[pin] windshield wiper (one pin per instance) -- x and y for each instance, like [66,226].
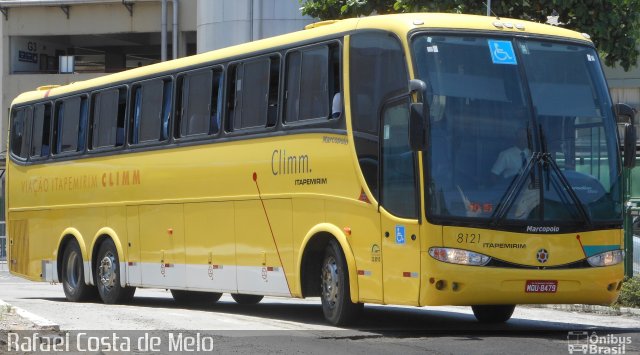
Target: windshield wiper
[510,195]
[548,160]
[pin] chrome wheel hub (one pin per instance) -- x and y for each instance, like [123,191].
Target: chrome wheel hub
[330,287]
[107,271]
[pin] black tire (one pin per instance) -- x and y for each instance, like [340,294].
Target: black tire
[107,276]
[246,299]
[195,297]
[335,294]
[72,276]
[493,313]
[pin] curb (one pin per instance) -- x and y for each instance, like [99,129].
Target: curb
[585,308]
[33,318]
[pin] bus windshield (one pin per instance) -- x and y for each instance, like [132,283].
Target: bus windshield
[521,131]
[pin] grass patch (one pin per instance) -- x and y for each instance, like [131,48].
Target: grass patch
[630,293]
[4,310]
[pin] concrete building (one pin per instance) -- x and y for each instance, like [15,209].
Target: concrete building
[624,86]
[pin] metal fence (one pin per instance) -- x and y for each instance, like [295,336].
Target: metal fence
[636,255]
[3,242]
[3,248]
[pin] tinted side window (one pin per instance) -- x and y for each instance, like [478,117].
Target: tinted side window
[378,72]
[69,125]
[313,80]
[20,132]
[252,98]
[198,103]
[398,192]
[41,130]
[151,110]
[108,118]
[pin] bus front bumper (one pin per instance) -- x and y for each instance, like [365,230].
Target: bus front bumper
[462,285]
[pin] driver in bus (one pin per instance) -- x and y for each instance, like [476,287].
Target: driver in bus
[509,164]
[513,159]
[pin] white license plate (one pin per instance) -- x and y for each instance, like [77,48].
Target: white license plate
[541,286]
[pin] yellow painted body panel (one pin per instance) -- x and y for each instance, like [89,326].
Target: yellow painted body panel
[182,217]
[162,242]
[210,233]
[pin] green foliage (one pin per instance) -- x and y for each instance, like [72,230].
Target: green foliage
[614,25]
[630,293]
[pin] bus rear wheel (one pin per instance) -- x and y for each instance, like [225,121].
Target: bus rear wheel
[108,276]
[75,290]
[246,299]
[335,294]
[493,313]
[193,298]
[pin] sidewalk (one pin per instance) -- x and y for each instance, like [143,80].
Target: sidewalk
[586,308]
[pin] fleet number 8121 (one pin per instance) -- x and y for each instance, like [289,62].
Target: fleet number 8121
[470,238]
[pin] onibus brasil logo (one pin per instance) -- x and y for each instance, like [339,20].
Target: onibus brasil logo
[581,342]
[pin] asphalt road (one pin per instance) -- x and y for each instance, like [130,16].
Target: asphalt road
[279,325]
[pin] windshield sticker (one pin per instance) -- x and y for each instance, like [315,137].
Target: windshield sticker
[400,234]
[432,49]
[502,52]
[591,58]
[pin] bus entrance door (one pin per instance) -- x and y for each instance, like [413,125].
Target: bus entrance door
[400,259]
[398,197]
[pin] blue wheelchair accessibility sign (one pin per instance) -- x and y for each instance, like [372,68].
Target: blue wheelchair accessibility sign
[502,52]
[399,234]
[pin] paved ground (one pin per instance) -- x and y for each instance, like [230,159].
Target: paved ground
[297,326]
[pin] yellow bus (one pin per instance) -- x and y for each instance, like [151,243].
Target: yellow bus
[415,159]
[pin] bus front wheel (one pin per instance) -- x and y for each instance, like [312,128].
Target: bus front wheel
[246,299]
[493,313]
[108,276]
[73,284]
[335,295]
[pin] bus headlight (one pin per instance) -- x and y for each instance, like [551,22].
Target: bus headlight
[608,258]
[459,256]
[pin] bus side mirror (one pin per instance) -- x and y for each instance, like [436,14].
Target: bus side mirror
[419,116]
[625,117]
[623,110]
[629,146]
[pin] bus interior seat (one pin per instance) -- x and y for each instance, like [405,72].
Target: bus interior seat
[119,136]
[197,124]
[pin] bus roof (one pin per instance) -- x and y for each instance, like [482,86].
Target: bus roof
[398,23]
